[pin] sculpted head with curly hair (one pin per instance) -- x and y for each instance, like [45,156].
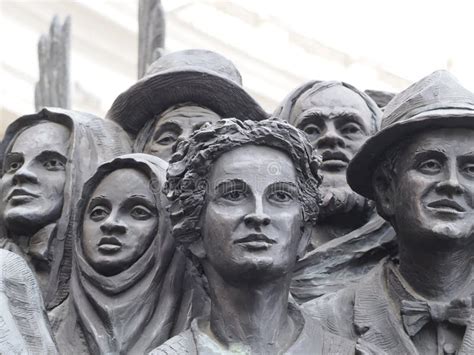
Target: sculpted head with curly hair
[243,192]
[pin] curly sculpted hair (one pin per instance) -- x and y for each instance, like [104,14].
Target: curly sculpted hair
[187,174]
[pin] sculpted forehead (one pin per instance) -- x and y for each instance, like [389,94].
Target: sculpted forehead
[335,98]
[189,115]
[124,182]
[41,137]
[459,141]
[254,163]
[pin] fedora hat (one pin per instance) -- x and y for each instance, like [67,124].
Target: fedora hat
[436,101]
[195,75]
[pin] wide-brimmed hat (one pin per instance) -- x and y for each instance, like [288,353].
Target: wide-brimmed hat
[436,101]
[199,76]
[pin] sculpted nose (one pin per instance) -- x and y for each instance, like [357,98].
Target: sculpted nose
[330,140]
[450,185]
[113,226]
[24,174]
[257,217]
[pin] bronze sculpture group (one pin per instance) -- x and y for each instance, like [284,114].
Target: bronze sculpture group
[190,221]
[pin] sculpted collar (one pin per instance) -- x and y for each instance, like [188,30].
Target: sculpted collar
[416,312]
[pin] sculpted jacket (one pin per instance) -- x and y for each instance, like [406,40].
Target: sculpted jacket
[375,311]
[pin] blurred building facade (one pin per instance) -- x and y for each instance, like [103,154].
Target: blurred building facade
[277,45]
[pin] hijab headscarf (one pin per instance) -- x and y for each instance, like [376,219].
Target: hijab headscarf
[92,141]
[133,311]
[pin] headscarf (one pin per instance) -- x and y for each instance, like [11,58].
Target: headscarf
[92,141]
[135,310]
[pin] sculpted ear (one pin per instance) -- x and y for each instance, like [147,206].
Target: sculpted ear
[384,191]
[197,249]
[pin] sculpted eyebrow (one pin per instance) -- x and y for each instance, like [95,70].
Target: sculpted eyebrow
[433,150]
[13,156]
[97,200]
[167,126]
[51,153]
[229,183]
[311,117]
[286,185]
[422,154]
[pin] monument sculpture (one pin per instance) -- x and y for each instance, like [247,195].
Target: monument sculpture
[350,238]
[24,326]
[419,170]
[151,33]
[243,195]
[53,88]
[180,92]
[46,157]
[315,231]
[127,279]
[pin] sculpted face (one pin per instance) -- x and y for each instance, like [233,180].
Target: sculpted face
[435,186]
[119,222]
[337,122]
[33,178]
[174,124]
[252,224]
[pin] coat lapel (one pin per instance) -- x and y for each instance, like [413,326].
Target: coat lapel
[376,320]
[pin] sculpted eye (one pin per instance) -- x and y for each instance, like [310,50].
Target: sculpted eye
[166,138]
[13,166]
[431,166]
[53,164]
[351,129]
[281,196]
[469,169]
[312,130]
[99,213]
[234,195]
[140,213]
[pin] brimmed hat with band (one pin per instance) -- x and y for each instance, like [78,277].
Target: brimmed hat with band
[195,75]
[436,101]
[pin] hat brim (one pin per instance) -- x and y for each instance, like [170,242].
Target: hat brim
[362,166]
[155,94]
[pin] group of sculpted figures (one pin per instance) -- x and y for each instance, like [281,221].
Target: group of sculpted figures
[190,221]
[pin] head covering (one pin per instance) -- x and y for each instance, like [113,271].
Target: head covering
[133,311]
[436,101]
[195,75]
[93,140]
[284,110]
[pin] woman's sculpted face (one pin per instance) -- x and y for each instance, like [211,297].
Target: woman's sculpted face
[34,174]
[120,221]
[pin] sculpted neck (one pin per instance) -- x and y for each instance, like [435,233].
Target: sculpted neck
[437,272]
[254,314]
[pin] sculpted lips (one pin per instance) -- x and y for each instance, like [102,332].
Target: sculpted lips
[109,245]
[447,206]
[255,241]
[334,160]
[19,195]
